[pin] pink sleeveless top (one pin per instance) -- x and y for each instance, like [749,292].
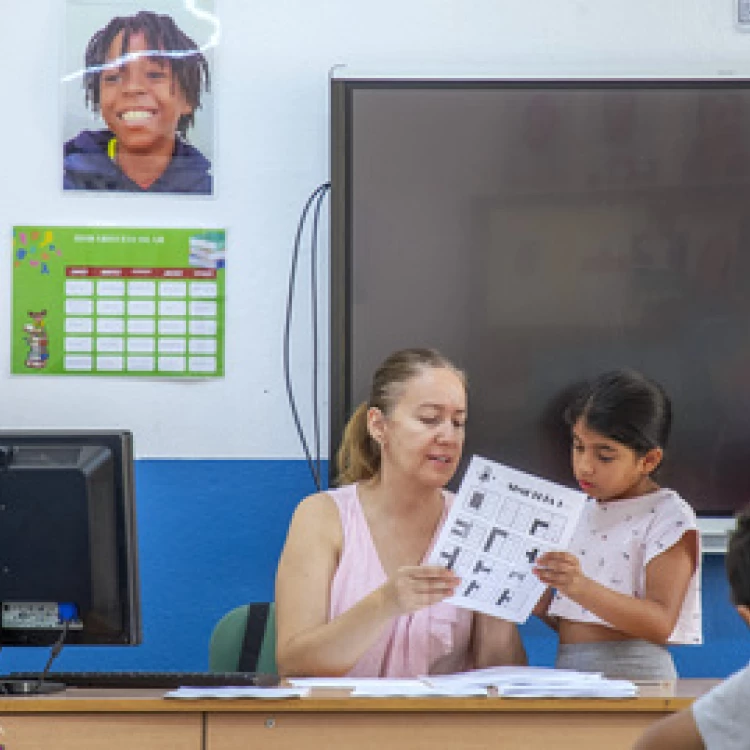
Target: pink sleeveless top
[433,640]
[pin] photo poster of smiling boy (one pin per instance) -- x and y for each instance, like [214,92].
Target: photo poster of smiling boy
[137,96]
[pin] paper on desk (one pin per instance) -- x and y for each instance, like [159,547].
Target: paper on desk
[500,522]
[415,689]
[237,692]
[602,688]
[497,676]
[380,687]
[537,682]
[345,683]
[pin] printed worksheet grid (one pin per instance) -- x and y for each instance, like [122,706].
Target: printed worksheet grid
[486,571]
[141,320]
[526,518]
[487,535]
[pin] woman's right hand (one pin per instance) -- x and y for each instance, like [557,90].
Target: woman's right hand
[416,586]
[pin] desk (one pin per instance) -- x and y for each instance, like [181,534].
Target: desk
[122,720]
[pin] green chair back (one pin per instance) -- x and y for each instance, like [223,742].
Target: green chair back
[244,640]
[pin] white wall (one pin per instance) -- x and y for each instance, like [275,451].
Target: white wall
[271,97]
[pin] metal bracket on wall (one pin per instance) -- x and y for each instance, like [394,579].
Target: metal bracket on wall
[715,534]
[742,15]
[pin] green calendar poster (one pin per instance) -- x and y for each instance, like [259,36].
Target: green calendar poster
[110,301]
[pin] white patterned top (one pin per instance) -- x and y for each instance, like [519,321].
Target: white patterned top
[614,542]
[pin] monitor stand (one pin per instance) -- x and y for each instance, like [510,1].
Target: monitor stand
[40,686]
[29,687]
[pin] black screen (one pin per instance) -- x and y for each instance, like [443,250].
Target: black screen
[539,233]
[67,537]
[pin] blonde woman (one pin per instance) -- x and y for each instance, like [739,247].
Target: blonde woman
[353,596]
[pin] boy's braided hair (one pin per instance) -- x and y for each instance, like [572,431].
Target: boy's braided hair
[161,32]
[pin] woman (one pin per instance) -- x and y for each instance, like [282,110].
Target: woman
[352,594]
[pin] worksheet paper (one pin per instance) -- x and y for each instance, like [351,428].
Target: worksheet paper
[379,687]
[536,682]
[500,522]
[244,691]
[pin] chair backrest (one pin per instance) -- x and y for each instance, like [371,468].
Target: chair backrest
[244,640]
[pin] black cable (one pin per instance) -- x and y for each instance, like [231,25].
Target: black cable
[318,194]
[55,651]
[314,299]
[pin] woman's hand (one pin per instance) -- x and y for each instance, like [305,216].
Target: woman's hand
[416,586]
[308,642]
[562,571]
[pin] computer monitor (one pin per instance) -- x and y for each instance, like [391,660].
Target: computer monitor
[68,537]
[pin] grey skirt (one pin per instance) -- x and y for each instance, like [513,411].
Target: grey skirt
[640,661]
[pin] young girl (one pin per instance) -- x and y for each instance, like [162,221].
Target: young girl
[629,584]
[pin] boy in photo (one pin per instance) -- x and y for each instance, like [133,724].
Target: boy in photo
[145,77]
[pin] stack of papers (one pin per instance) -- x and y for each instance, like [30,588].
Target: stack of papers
[537,682]
[236,692]
[379,687]
[601,688]
[507,682]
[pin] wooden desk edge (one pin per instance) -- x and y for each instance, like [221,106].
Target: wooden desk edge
[152,701]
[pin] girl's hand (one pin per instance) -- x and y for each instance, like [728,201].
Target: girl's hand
[560,570]
[417,586]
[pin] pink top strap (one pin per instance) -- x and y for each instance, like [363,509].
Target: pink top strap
[433,639]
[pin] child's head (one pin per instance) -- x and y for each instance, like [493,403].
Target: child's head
[738,565]
[145,76]
[620,425]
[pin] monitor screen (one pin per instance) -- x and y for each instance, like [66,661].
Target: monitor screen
[68,538]
[540,233]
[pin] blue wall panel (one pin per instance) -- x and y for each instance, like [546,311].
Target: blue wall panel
[210,533]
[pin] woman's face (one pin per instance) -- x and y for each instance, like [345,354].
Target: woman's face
[423,435]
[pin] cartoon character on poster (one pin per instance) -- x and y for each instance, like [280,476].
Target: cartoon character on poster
[37,340]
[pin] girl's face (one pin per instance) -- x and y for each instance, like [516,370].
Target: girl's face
[423,436]
[608,470]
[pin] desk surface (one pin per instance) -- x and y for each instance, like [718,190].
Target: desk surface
[78,700]
[81,719]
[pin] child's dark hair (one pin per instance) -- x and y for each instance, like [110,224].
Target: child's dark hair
[737,562]
[626,407]
[161,33]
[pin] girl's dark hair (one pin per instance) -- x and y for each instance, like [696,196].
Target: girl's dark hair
[737,561]
[626,407]
[161,33]
[358,456]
